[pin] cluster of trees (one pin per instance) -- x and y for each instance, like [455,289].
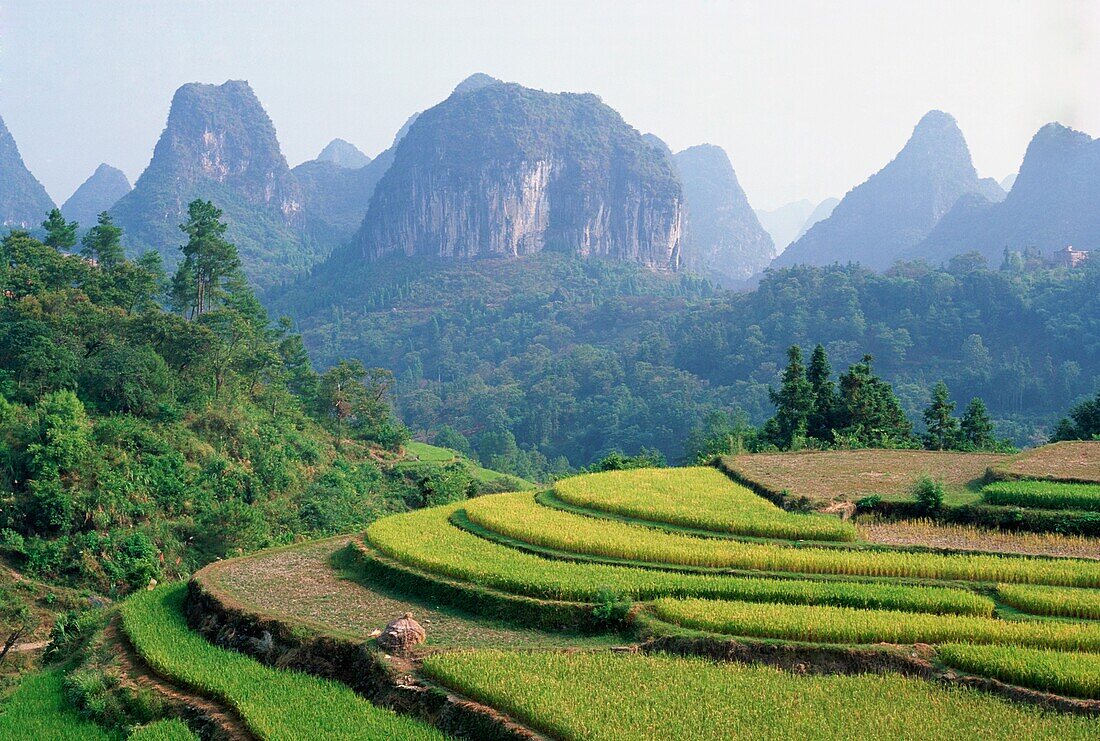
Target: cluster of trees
[861,410]
[137,440]
[549,362]
[1083,422]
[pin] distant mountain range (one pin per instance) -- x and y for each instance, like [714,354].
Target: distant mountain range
[95,195]
[344,154]
[1054,202]
[24,203]
[787,223]
[895,209]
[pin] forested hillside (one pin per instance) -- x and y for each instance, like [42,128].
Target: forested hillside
[550,359]
[138,442]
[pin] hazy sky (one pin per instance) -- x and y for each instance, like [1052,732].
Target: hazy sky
[807,97]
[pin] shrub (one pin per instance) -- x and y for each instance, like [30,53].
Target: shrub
[929,494]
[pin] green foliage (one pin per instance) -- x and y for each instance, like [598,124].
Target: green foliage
[38,710]
[137,443]
[928,494]
[1043,494]
[794,403]
[209,261]
[60,234]
[1083,422]
[617,461]
[274,704]
[943,431]
[720,433]
[658,696]
[1062,672]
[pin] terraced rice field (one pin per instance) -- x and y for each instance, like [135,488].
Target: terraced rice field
[696,497]
[1043,495]
[1065,672]
[607,697]
[275,705]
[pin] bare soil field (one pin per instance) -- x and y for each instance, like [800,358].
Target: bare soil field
[848,475]
[1066,461]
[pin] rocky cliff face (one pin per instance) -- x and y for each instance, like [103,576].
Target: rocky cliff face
[343,154]
[24,203]
[95,195]
[1054,202]
[499,170]
[723,238]
[879,221]
[220,145]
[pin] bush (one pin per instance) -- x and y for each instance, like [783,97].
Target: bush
[929,494]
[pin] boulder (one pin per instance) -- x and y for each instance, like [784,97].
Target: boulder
[402,634]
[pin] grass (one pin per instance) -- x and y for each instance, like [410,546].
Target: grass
[163,730]
[274,704]
[1066,673]
[426,540]
[1055,601]
[1043,495]
[827,624]
[1070,461]
[425,453]
[971,538]
[37,709]
[849,475]
[700,497]
[566,531]
[614,697]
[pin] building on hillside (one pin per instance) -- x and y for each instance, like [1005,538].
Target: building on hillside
[1068,257]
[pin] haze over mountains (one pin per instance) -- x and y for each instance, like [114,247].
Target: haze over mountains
[501,170]
[880,220]
[23,200]
[98,193]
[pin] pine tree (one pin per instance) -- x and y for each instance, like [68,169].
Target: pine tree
[869,411]
[976,427]
[823,412]
[103,243]
[943,429]
[793,402]
[210,262]
[60,234]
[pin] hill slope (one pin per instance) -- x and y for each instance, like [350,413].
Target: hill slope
[24,203]
[878,221]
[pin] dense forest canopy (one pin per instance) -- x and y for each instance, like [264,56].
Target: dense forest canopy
[552,360]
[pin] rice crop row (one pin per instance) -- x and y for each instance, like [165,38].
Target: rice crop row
[1062,672]
[163,730]
[699,497]
[826,624]
[524,519]
[616,697]
[1055,601]
[426,539]
[37,709]
[1043,495]
[275,704]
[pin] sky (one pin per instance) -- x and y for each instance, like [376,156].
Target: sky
[807,97]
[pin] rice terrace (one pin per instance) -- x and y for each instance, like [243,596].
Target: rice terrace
[663,370]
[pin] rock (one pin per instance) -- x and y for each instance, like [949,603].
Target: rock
[402,634]
[152,584]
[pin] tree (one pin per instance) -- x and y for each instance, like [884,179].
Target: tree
[823,412]
[103,243]
[943,429]
[793,402]
[209,260]
[976,427]
[1083,422]
[355,400]
[60,234]
[870,413]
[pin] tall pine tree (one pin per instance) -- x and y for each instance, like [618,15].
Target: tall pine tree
[823,411]
[942,428]
[793,403]
[976,427]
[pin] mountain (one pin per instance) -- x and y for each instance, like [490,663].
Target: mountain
[343,154]
[1054,202]
[723,238]
[335,198]
[95,195]
[1008,182]
[220,145]
[821,212]
[784,224]
[880,220]
[498,169]
[24,203]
